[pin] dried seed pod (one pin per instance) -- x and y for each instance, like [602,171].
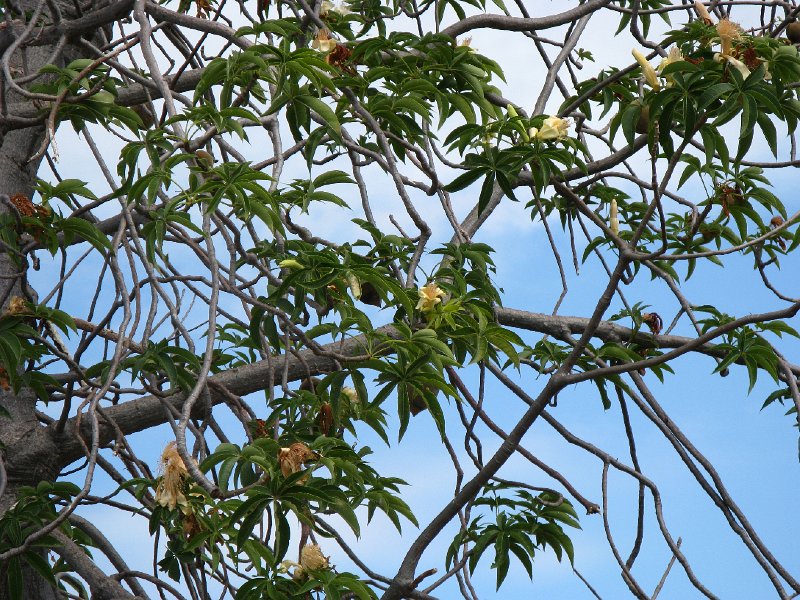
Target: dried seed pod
[643,123]
[369,295]
[793,32]
[417,402]
[309,384]
[205,159]
[145,114]
[325,419]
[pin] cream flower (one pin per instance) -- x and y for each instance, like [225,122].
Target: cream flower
[673,57]
[727,31]
[735,63]
[340,9]
[311,558]
[702,12]
[613,217]
[553,128]
[429,296]
[169,489]
[351,395]
[650,75]
[323,42]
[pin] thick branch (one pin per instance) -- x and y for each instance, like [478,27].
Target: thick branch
[144,413]
[507,23]
[559,326]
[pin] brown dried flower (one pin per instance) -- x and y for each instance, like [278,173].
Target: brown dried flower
[27,208]
[169,489]
[653,321]
[291,459]
[340,57]
[17,306]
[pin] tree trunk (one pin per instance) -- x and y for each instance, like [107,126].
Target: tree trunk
[28,452]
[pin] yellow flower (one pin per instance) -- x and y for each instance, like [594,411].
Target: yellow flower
[727,31]
[169,490]
[553,128]
[650,75]
[429,296]
[290,263]
[323,42]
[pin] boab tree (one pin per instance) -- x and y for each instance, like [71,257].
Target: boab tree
[265,239]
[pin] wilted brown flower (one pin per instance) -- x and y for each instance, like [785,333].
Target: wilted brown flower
[259,428]
[339,57]
[27,208]
[5,382]
[291,459]
[169,489]
[191,525]
[203,9]
[17,306]
[774,223]
[653,321]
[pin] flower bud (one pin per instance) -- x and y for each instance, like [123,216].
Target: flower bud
[649,73]
[290,263]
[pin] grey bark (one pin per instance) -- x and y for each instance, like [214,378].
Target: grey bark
[28,450]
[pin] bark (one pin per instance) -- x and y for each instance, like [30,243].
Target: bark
[29,452]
